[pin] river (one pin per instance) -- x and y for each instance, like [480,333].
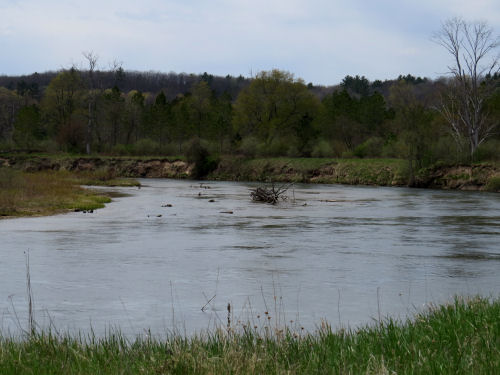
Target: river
[171,256]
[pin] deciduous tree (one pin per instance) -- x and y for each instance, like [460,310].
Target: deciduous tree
[472,46]
[9,105]
[273,105]
[62,107]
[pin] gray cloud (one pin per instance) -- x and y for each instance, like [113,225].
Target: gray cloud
[318,40]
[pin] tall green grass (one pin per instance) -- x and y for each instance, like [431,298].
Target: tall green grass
[458,338]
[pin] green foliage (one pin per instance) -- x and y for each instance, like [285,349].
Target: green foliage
[274,114]
[277,147]
[249,146]
[62,103]
[357,85]
[274,105]
[28,129]
[372,147]
[181,122]
[204,163]
[412,127]
[221,120]
[10,102]
[352,120]
[489,150]
[110,130]
[146,146]
[200,107]
[411,79]
[122,150]
[493,184]
[6,145]
[322,149]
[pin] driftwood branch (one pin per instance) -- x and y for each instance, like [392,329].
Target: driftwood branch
[271,194]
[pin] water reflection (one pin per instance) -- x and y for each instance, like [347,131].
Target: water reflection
[339,256]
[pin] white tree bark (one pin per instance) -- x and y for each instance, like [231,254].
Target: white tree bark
[473,47]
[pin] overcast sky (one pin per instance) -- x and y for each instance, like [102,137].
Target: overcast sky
[320,41]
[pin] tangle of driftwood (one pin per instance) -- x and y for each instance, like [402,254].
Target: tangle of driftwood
[271,194]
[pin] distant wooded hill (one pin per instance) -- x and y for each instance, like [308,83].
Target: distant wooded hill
[173,84]
[271,114]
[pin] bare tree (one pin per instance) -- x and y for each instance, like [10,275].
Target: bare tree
[473,47]
[91,58]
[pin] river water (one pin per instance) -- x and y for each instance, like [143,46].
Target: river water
[345,254]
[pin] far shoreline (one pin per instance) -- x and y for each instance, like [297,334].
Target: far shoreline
[484,176]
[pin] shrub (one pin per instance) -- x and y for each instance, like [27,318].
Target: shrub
[6,145]
[488,151]
[204,163]
[121,150]
[248,147]
[48,145]
[322,149]
[493,184]
[146,146]
[170,149]
[278,147]
[372,147]
[293,152]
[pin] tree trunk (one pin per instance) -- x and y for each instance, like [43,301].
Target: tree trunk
[89,129]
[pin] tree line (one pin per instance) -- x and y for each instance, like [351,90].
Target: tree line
[119,112]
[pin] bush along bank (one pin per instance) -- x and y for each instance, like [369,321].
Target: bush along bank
[381,172]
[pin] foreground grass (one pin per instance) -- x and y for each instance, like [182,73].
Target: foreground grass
[46,193]
[459,338]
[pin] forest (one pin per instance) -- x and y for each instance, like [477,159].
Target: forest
[90,110]
[118,112]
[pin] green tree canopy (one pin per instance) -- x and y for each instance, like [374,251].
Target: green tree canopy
[28,127]
[356,85]
[9,104]
[63,110]
[274,104]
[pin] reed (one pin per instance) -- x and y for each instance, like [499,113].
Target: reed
[457,338]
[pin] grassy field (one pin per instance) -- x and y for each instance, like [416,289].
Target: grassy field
[46,193]
[458,338]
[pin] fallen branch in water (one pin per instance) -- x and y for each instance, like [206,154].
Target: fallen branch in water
[271,194]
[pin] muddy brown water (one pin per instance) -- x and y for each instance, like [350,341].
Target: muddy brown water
[152,260]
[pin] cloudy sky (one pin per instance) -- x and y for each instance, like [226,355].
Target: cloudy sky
[320,41]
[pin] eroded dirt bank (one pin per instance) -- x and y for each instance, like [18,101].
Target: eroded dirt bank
[120,167]
[485,176]
[390,172]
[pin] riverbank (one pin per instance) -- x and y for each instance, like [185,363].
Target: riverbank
[457,338]
[50,192]
[381,172]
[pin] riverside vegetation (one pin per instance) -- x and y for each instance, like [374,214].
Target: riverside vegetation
[461,337]
[405,131]
[49,192]
[451,120]
[421,132]
[203,165]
